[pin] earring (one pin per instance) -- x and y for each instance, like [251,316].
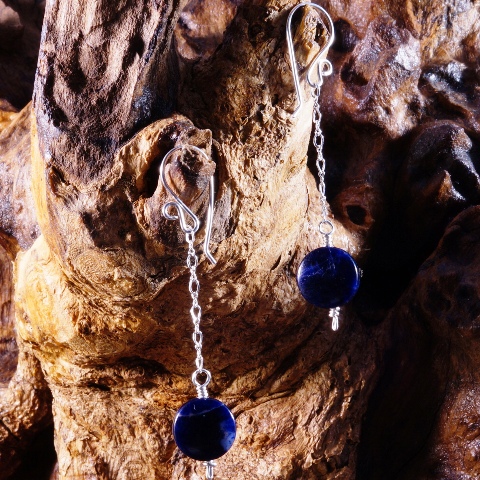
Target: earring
[328,277]
[204,428]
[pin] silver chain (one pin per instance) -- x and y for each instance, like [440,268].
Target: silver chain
[196,314]
[318,141]
[326,226]
[197,336]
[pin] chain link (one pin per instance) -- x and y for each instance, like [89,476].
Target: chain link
[318,141]
[196,314]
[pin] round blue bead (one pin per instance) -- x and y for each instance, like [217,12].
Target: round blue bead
[204,429]
[328,277]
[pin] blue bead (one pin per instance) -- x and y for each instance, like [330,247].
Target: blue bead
[328,277]
[204,429]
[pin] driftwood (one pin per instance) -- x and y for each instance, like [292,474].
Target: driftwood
[95,325]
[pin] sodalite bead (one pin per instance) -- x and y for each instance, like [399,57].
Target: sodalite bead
[328,277]
[204,429]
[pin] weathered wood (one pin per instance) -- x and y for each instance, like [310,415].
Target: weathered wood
[101,299]
[20,26]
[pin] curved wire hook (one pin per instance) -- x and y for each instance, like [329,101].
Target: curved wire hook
[182,210]
[324,67]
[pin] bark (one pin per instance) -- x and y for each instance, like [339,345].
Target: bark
[98,293]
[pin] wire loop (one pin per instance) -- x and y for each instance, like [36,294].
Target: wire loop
[326,227]
[201,386]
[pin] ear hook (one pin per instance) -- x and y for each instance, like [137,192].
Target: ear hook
[183,210]
[324,67]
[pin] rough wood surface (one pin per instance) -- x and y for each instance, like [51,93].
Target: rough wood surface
[98,287]
[20,26]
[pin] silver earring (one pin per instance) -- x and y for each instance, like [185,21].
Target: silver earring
[204,428]
[328,277]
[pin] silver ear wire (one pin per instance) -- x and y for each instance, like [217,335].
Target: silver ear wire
[320,270]
[324,67]
[182,210]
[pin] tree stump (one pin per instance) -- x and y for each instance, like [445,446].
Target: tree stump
[95,325]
